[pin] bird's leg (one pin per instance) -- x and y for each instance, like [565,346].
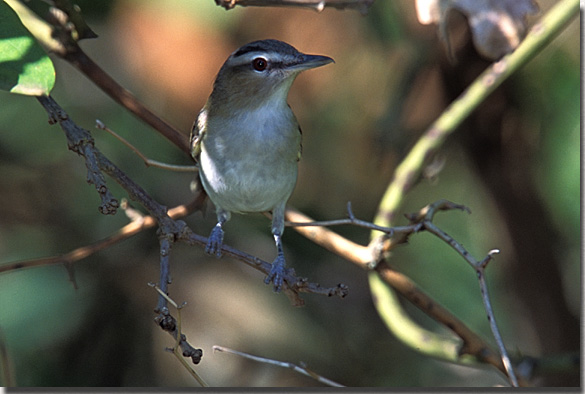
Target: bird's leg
[215,240]
[277,271]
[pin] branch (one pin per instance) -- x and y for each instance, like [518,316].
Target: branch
[492,318]
[300,369]
[293,284]
[7,375]
[479,267]
[318,5]
[363,256]
[82,143]
[58,38]
[136,226]
[409,170]
[174,328]
[350,220]
[170,230]
[335,243]
[148,162]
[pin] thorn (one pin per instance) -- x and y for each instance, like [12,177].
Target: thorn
[349,211]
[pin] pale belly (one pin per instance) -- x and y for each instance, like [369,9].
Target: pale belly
[255,155]
[257,186]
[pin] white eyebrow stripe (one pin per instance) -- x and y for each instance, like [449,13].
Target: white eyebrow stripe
[247,58]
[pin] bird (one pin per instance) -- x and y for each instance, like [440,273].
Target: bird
[246,140]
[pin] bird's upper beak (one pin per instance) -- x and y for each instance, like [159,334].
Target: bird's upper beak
[306,62]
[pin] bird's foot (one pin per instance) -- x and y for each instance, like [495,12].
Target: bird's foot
[215,241]
[277,273]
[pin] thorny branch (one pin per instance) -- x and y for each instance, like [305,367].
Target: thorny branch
[180,341]
[351,219]
[169,230]
[96,162]
[479,267]
[364,255]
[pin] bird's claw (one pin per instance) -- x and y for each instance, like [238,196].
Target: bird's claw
[277,273]
[214,242]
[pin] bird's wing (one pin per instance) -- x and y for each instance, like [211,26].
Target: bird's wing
[300,145]
[197,133]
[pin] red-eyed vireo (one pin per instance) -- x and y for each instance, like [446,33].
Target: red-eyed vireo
[247,141]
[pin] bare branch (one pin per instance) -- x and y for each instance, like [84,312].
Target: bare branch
[58,39]
[165,269]
[7,375]
[492,320]
[77,57]
[82,143]
[363,255]
[300,369]
[148,162]
[479,267]
[350,220]
[293,284]
[351,251]
[180,339]
[131,229]
[318,5]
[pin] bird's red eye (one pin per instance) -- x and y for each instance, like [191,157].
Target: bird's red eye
[259,64]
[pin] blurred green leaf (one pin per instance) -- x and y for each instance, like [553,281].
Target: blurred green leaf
[25,68]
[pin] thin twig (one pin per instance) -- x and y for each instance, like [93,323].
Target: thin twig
[350,220]
[300,369]
[7,376]
[148,162]
[492,319]
[479,267]
[362,257]
[165,270]
[318,5]
[129,230]
[180,339]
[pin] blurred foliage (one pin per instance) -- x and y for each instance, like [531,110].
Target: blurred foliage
[390,81]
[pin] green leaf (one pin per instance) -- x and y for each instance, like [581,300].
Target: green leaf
[25,68]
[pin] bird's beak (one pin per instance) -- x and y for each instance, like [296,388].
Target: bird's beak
[306,62]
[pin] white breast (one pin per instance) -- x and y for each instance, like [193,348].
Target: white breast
[248,161]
